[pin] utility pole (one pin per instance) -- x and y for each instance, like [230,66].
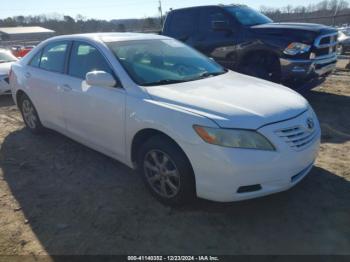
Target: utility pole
[336,12]
[161,13]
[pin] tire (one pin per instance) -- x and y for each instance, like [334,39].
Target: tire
[262,66]
[30,115]
[169,179]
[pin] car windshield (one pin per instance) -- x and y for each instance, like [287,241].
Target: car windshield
[163,61]
[6,57]
[248,16]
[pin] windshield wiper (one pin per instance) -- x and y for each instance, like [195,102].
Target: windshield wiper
[164,82]
[209,74]
[175,81]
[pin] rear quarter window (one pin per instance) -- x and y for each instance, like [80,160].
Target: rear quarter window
[35,61]
[209,16]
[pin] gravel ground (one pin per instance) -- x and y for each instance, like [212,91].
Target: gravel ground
[59,197]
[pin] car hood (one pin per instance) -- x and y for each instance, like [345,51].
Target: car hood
[317,28]
[233,100]
[303,32]
[5,68]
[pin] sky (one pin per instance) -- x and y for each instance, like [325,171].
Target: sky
[120,9]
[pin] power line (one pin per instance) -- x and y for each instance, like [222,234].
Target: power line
[161,13]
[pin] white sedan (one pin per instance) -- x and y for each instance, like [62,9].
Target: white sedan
[6,60]
[191,127]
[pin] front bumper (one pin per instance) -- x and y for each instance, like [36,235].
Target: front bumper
[221,172]
[303,70]
[4,85]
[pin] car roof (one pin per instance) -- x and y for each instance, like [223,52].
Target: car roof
[110,37]
[206,6]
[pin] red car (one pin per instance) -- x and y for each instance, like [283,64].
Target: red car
[21,51]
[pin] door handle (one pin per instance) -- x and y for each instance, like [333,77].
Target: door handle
[66,88]
[27,75]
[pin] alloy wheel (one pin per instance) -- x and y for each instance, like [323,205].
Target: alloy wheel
[29,113]
[161,173]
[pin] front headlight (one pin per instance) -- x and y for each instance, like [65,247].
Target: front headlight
[296,48]
[238,138]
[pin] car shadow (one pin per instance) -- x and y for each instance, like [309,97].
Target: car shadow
[6,100]
[78,201]
[335,127]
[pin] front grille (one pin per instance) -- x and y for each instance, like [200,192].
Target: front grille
[297,137]
[329,39]
[325,44]
[325,40]
[325,51]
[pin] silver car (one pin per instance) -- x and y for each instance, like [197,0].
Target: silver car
[6,60]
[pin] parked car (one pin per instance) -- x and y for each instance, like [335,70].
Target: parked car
[6,60]
[15,49]
[345,30]
[20,51]
[190,126]
[344,43]
[247,41]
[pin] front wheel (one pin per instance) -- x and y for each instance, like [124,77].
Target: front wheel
[166,171]
[262,66]
[30,115]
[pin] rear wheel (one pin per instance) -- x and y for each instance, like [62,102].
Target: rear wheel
[30,115]
[166,171]
[262,66]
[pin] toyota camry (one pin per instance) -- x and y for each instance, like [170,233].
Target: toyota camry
[191,127]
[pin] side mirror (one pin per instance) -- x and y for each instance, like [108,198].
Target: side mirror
[100,78]
[220,26]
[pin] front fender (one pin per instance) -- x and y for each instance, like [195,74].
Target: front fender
[257,46]
[177,123]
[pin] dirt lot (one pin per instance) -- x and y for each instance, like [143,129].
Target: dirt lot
[58,197]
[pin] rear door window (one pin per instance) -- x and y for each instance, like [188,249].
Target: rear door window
[211,15]
[54,56]
[183,23]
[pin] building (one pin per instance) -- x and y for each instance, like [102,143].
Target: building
[26,34]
